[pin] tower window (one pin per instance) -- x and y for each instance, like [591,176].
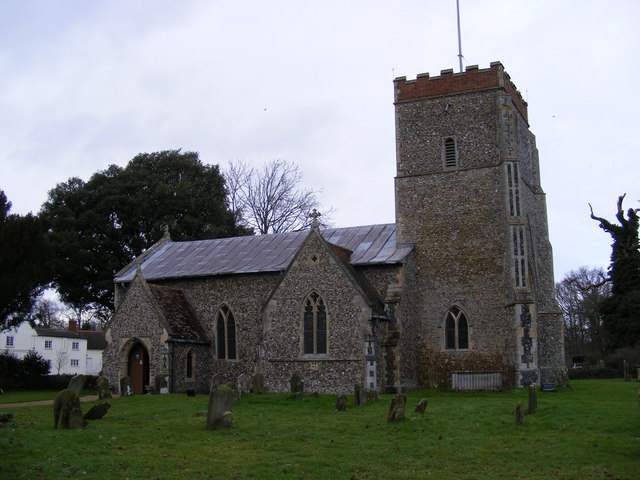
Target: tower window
[450,153]
[315,325]
[225,334]
[456,330]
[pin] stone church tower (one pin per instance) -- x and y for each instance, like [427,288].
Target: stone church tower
[468,195]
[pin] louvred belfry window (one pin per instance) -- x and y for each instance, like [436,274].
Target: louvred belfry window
[450,153]
[315,325]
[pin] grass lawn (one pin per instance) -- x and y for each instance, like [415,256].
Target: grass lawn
[589,432]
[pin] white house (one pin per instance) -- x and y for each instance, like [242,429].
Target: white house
[69,351]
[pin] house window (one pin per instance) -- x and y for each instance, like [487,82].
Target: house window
[191,363]
[225,334]
[75,363]
[315,325]
[9,341]
[75,345]
[48,344]
[456,330]
[450,152]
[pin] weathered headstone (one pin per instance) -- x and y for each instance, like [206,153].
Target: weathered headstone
[244,383]
[625,367]
[372,396]
[97,411]
[126,389]
[66,402]
[76,419]
[519,414]
[190,387]
[161,384]
[533,398]
[421,406]
[360,394]
[341,403]
[77,383]
[257,383]
[297,385]
[102,387]
[432,378]
[219,412]
[396,410]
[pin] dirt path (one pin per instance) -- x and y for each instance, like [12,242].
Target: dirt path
[87,398]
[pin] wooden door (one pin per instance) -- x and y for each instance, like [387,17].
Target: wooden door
[138,368]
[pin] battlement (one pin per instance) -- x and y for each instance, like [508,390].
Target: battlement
[472,79]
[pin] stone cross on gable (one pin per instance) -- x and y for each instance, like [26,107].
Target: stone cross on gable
[314,215]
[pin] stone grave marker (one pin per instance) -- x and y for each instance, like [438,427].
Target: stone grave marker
[97,411]
[257,383]
[519,414]
[220,404]
[421,406]
[244,383]
[533,398]
[297,385]
[361,395]
[396,410]
[102,387]
[126,389]
[65,407]
[341,403]
[77,383]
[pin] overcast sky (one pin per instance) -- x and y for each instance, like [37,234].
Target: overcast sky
[87,83]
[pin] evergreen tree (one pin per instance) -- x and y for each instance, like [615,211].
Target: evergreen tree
[97,227]
[621,311]
[23,257]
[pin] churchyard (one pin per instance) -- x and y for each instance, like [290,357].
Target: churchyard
[590,431]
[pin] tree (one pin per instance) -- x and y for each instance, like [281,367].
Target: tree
[271,199]
[97,227]
[23,257]
[46,313]
[580,295]
[621,311]
[62,354]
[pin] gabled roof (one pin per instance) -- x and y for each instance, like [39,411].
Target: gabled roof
[95,339]
[373,244]
[181,319]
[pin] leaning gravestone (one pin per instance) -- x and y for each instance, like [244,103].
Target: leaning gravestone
[97,411]
[126,390]
[421,406]
[361,395]
[341,403]
[396,411]
[65,407]
[257,383]
[77,383]
[219,412]
[103,390]
[297,385]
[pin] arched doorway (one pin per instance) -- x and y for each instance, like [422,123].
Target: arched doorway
[138,369]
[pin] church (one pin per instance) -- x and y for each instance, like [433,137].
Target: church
[460,286]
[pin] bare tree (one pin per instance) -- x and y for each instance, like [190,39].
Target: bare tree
[271,199]
[580,295]
[46,313]
[62,355]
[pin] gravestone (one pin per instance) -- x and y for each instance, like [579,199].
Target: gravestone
[77,383]
[533,398]
[372,396]
[297,385]
[161,384]
[257,383]
[219,412]
[216,381]
[76,419]
[66,402]
[519,414]
[361,395]
[625,367]
[396,410]
[421,406]
[102,387]
[97,411]
[244,383]
[341,403]
[126,389]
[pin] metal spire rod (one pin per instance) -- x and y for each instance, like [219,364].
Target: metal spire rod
[459,38]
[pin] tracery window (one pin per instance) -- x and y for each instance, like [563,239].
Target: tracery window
[456,330]
[315,325]
[225,334]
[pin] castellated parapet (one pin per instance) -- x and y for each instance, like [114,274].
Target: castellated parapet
[473,79]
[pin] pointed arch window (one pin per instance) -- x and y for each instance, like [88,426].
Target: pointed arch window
[456,330]
[225,334]
[191,364]
[315,325]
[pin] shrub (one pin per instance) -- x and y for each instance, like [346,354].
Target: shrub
[8,364]
[593,372]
